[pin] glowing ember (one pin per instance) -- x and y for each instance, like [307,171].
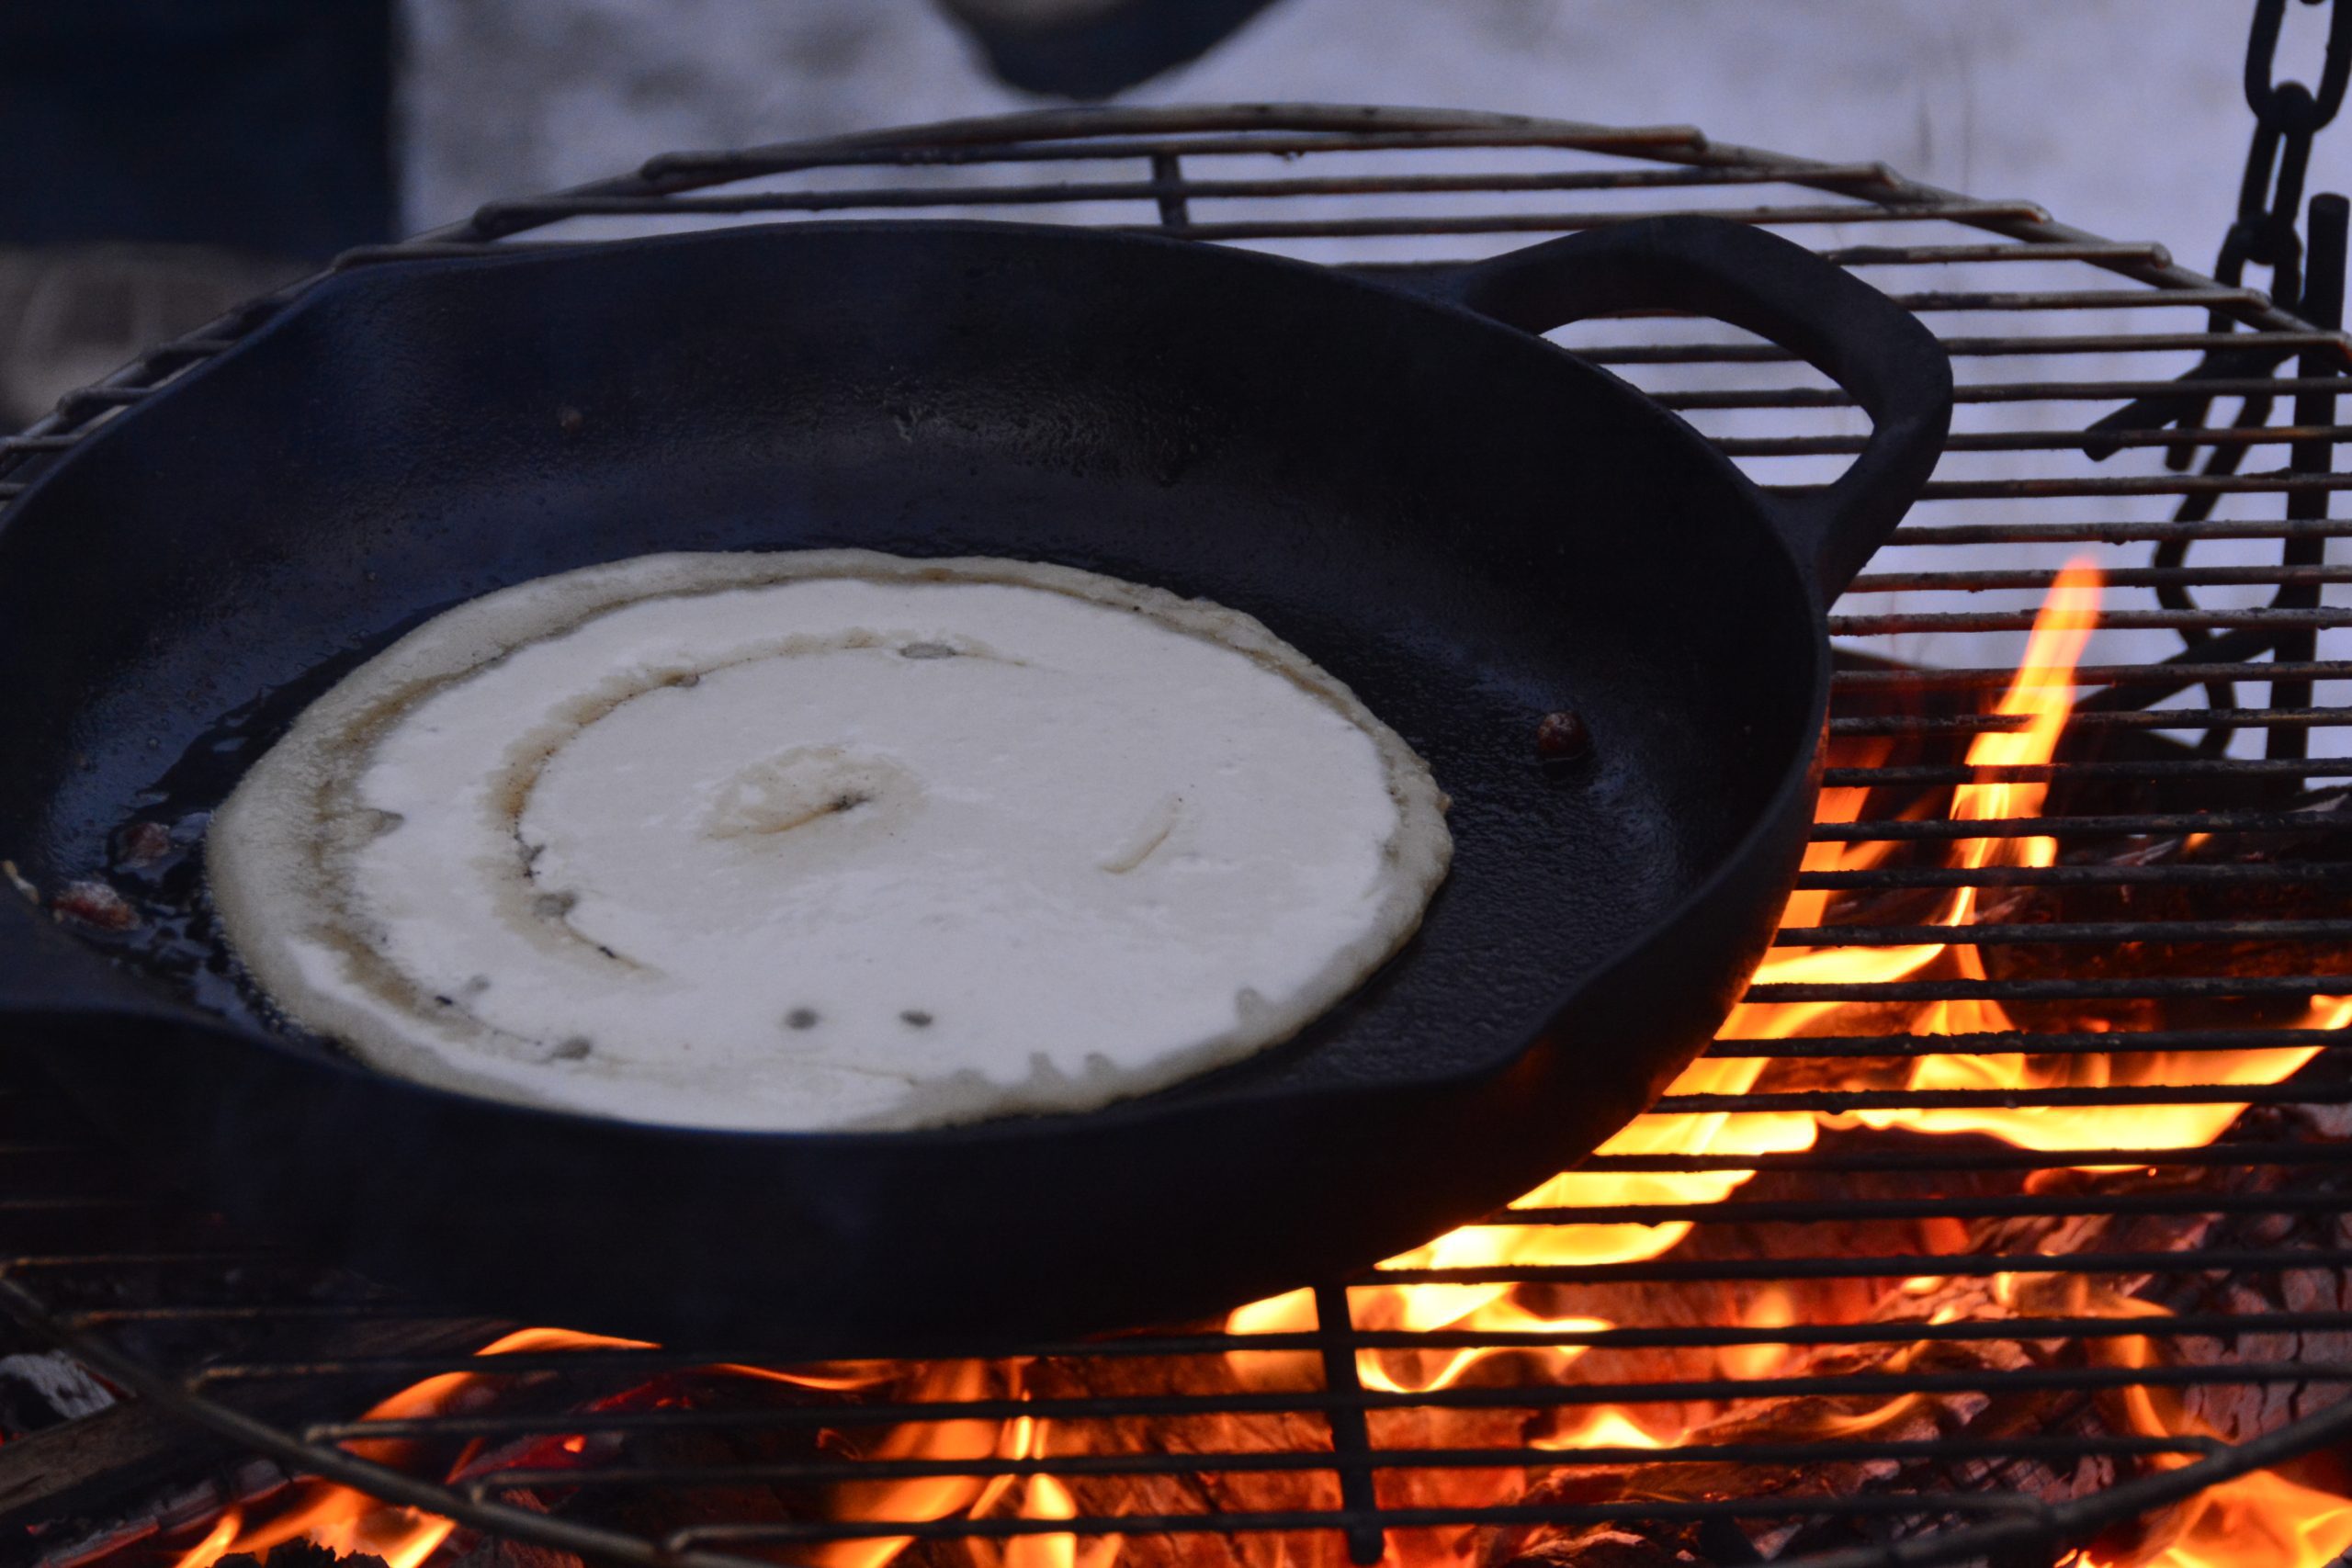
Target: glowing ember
[2260,1516]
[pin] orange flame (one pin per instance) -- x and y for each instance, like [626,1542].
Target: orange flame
[1046,1498]
[216,1544]
[924,1498]
[2040,694]
[2258,1518]
[347,1522]
[1601,1426]
[2039,697]
[2259,1515]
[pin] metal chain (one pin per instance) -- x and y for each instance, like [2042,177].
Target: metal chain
[2287,115]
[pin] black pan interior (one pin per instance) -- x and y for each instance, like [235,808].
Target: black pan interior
[1470,528]
[1467,528]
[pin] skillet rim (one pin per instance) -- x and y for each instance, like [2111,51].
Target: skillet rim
[151,1001]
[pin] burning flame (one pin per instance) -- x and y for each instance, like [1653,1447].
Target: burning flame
[2256,1518]
[2040,698]
[347,1522]
[932,1497]
[216,1544]
[2259,1515]
[2039,695]
[1049,1499]
[2038,701]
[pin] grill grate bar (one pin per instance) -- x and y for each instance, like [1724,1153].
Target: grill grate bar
[1758,1211]
[2038,440]
[1851,1161]
[1925,1504]
[2119,577]
[1251,1461]
[2128,257]
[2074,931]
[35,1262]
[1974,347]
[1838,1101]
[2118,533]
[1728,1270]
[500,215]
[2289,987]
[2279,482]
[1995,679]
[25,446]
[941,146]
[1890,829]
[1574,222]
[1988,301]
[243,1313]
[2003,392]
[2211,768]
[1345,1415]
[2094,719]
[1531,1396]
[2115,620]
[2010,1043]
[100,397]
[609,1365]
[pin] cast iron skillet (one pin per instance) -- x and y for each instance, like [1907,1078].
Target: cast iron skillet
[1469,526]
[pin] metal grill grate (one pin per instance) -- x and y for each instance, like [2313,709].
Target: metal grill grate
[2135,941]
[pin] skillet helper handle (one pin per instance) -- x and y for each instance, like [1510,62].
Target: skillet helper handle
[1866,343]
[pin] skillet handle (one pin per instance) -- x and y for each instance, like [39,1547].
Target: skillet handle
[1861,339]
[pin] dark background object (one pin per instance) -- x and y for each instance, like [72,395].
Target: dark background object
[259,125]
[1433,506]
[1103,51]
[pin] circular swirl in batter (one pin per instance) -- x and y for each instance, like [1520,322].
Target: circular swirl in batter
[825,840]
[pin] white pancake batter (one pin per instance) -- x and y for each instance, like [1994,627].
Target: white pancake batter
[825,840]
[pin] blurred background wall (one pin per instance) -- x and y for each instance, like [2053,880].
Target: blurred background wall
[160,159]
[2127,115]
